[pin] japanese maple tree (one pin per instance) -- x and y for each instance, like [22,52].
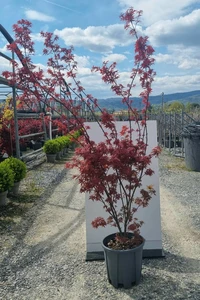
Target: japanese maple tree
[112,170]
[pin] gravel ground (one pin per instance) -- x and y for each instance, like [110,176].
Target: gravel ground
[43,247]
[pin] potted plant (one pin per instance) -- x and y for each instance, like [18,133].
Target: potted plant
[112,170]
[51,147]
[60,148]
[61,143]
[6,182]
[18,168]
[74,135]
[66,140]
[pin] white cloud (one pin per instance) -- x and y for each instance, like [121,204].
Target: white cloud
[164,58]
[82,61]
[99,39]
[4,48]
[39,66]
[183,58]
[179,31]
[36,37]
[36,15]
[127,52]
[93,84]
[155,10]
[174,84]
[114,57]
[84,71]
[189,64]
[5,65]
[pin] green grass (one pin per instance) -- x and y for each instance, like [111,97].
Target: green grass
[175,163]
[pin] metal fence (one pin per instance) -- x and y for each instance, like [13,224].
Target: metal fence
[169,130]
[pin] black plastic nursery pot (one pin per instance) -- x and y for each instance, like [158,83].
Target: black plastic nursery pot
[65,150]
[51,158]
[123,266]
[23,147]
[3,198]
[37,146]
[15,189]
[191,135]
[58,155]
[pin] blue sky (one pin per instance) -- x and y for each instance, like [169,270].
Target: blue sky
[94,28]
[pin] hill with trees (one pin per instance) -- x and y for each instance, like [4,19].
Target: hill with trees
[185,98]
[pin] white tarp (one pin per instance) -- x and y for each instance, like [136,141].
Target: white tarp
[151,229]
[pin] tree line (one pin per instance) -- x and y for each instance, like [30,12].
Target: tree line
[175,107]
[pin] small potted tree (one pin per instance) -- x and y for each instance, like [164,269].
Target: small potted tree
[112,170]
[18,168]
[51,148]
[6,182]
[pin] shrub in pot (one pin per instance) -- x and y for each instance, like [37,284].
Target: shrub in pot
[60,148]
[66,142]
[18,168]
[51,147]
[6,181]
[74,135]
[61,143]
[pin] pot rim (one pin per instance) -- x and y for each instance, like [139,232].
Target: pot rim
[123,250]
[4,192]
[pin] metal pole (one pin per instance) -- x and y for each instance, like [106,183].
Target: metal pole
[15,111]
[44,127]
[160,129]
[182,141]
[175,131]
[162,97]
[170,126]
[11,145]
[61,105]
[50,125]
[164,138]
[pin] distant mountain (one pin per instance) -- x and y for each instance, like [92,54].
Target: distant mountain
[116,104]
